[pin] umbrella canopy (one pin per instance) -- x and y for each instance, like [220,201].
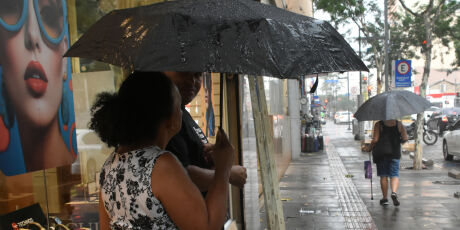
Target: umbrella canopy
[391,105]
[226,36]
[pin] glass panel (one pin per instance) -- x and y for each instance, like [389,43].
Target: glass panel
[276,96]
[250,159]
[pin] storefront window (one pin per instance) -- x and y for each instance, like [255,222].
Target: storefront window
[69,194]
[276,97]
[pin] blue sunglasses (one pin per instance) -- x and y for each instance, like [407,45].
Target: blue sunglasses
[51,17]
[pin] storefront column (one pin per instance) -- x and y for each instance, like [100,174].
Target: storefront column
[294,117]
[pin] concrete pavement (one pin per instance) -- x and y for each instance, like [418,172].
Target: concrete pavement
[327,190]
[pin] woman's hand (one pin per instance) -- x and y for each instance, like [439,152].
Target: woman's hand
[222,152]
[238,176]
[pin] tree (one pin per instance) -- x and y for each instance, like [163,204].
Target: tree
[367,16]
[433,22]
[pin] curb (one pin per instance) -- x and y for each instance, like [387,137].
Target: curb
[454,174]
[427,162]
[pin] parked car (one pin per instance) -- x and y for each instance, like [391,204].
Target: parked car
[441,118]
[427,113]
[451,142]
[343,117]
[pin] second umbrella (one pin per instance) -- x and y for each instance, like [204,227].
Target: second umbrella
[391,105]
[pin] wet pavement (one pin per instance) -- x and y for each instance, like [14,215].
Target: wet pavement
[327,190]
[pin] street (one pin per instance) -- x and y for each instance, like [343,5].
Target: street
[426,196]
[434,152]
[327,190]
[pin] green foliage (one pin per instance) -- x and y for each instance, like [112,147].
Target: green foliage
[456,36]
[408,31]
[88,13]
[367,16]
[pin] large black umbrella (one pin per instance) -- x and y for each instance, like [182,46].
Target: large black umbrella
[226,36]
[391,105]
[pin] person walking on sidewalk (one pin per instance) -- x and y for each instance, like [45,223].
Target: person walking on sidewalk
[386,152]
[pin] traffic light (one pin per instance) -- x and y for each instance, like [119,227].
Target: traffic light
[424,46]
[364,80]
[369,90]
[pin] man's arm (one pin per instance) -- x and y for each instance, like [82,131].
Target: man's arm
[202,178]
[403,132]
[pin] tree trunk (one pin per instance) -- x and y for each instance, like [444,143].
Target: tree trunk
[379,77]
[426,73]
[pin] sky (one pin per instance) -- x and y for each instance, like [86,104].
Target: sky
[354,76]
[353,32]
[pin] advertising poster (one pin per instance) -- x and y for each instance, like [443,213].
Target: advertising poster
[37,121]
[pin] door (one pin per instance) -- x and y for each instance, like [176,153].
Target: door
[455,139]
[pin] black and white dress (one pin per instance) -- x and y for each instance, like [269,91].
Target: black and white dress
[126,191]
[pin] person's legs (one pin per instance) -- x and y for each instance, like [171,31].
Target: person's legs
[384,186]
[382,172]
[394,181]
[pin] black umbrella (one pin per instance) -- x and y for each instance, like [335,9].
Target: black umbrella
[391,105]
[226,36]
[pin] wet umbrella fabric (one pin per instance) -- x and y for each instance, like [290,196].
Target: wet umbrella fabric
[391,105]
[226,36]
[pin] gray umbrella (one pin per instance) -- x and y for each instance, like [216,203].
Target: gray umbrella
[391,105]
[226,36]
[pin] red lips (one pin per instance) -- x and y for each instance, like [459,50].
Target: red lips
[36,80]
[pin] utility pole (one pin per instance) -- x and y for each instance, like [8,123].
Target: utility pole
[386,44]
[360,97]
[348,89]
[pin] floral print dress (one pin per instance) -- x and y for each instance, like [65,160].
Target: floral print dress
[125,182]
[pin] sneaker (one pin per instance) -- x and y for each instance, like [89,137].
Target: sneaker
[394,197]
[384,202]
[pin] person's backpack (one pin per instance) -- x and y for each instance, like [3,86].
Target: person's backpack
[383,146]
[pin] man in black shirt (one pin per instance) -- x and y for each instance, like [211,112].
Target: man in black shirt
[190,145]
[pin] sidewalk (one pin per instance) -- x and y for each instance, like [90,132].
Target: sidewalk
[327,190]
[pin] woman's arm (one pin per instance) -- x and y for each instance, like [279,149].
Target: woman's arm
[182,199]
[104,220]
[375,136]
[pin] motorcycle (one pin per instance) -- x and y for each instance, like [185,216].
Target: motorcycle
[429,136]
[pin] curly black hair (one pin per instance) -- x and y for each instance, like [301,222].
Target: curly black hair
[144,100]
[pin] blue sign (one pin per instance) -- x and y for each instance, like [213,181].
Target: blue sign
[331,81]
[403,73]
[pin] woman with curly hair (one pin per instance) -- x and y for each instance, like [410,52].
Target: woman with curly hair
[142,185]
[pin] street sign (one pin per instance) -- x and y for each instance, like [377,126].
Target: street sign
[316,102]
[403,73]
[331,81]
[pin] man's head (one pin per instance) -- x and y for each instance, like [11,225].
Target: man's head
[188,83]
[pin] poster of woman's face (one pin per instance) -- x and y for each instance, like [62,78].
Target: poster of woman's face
[37,121]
